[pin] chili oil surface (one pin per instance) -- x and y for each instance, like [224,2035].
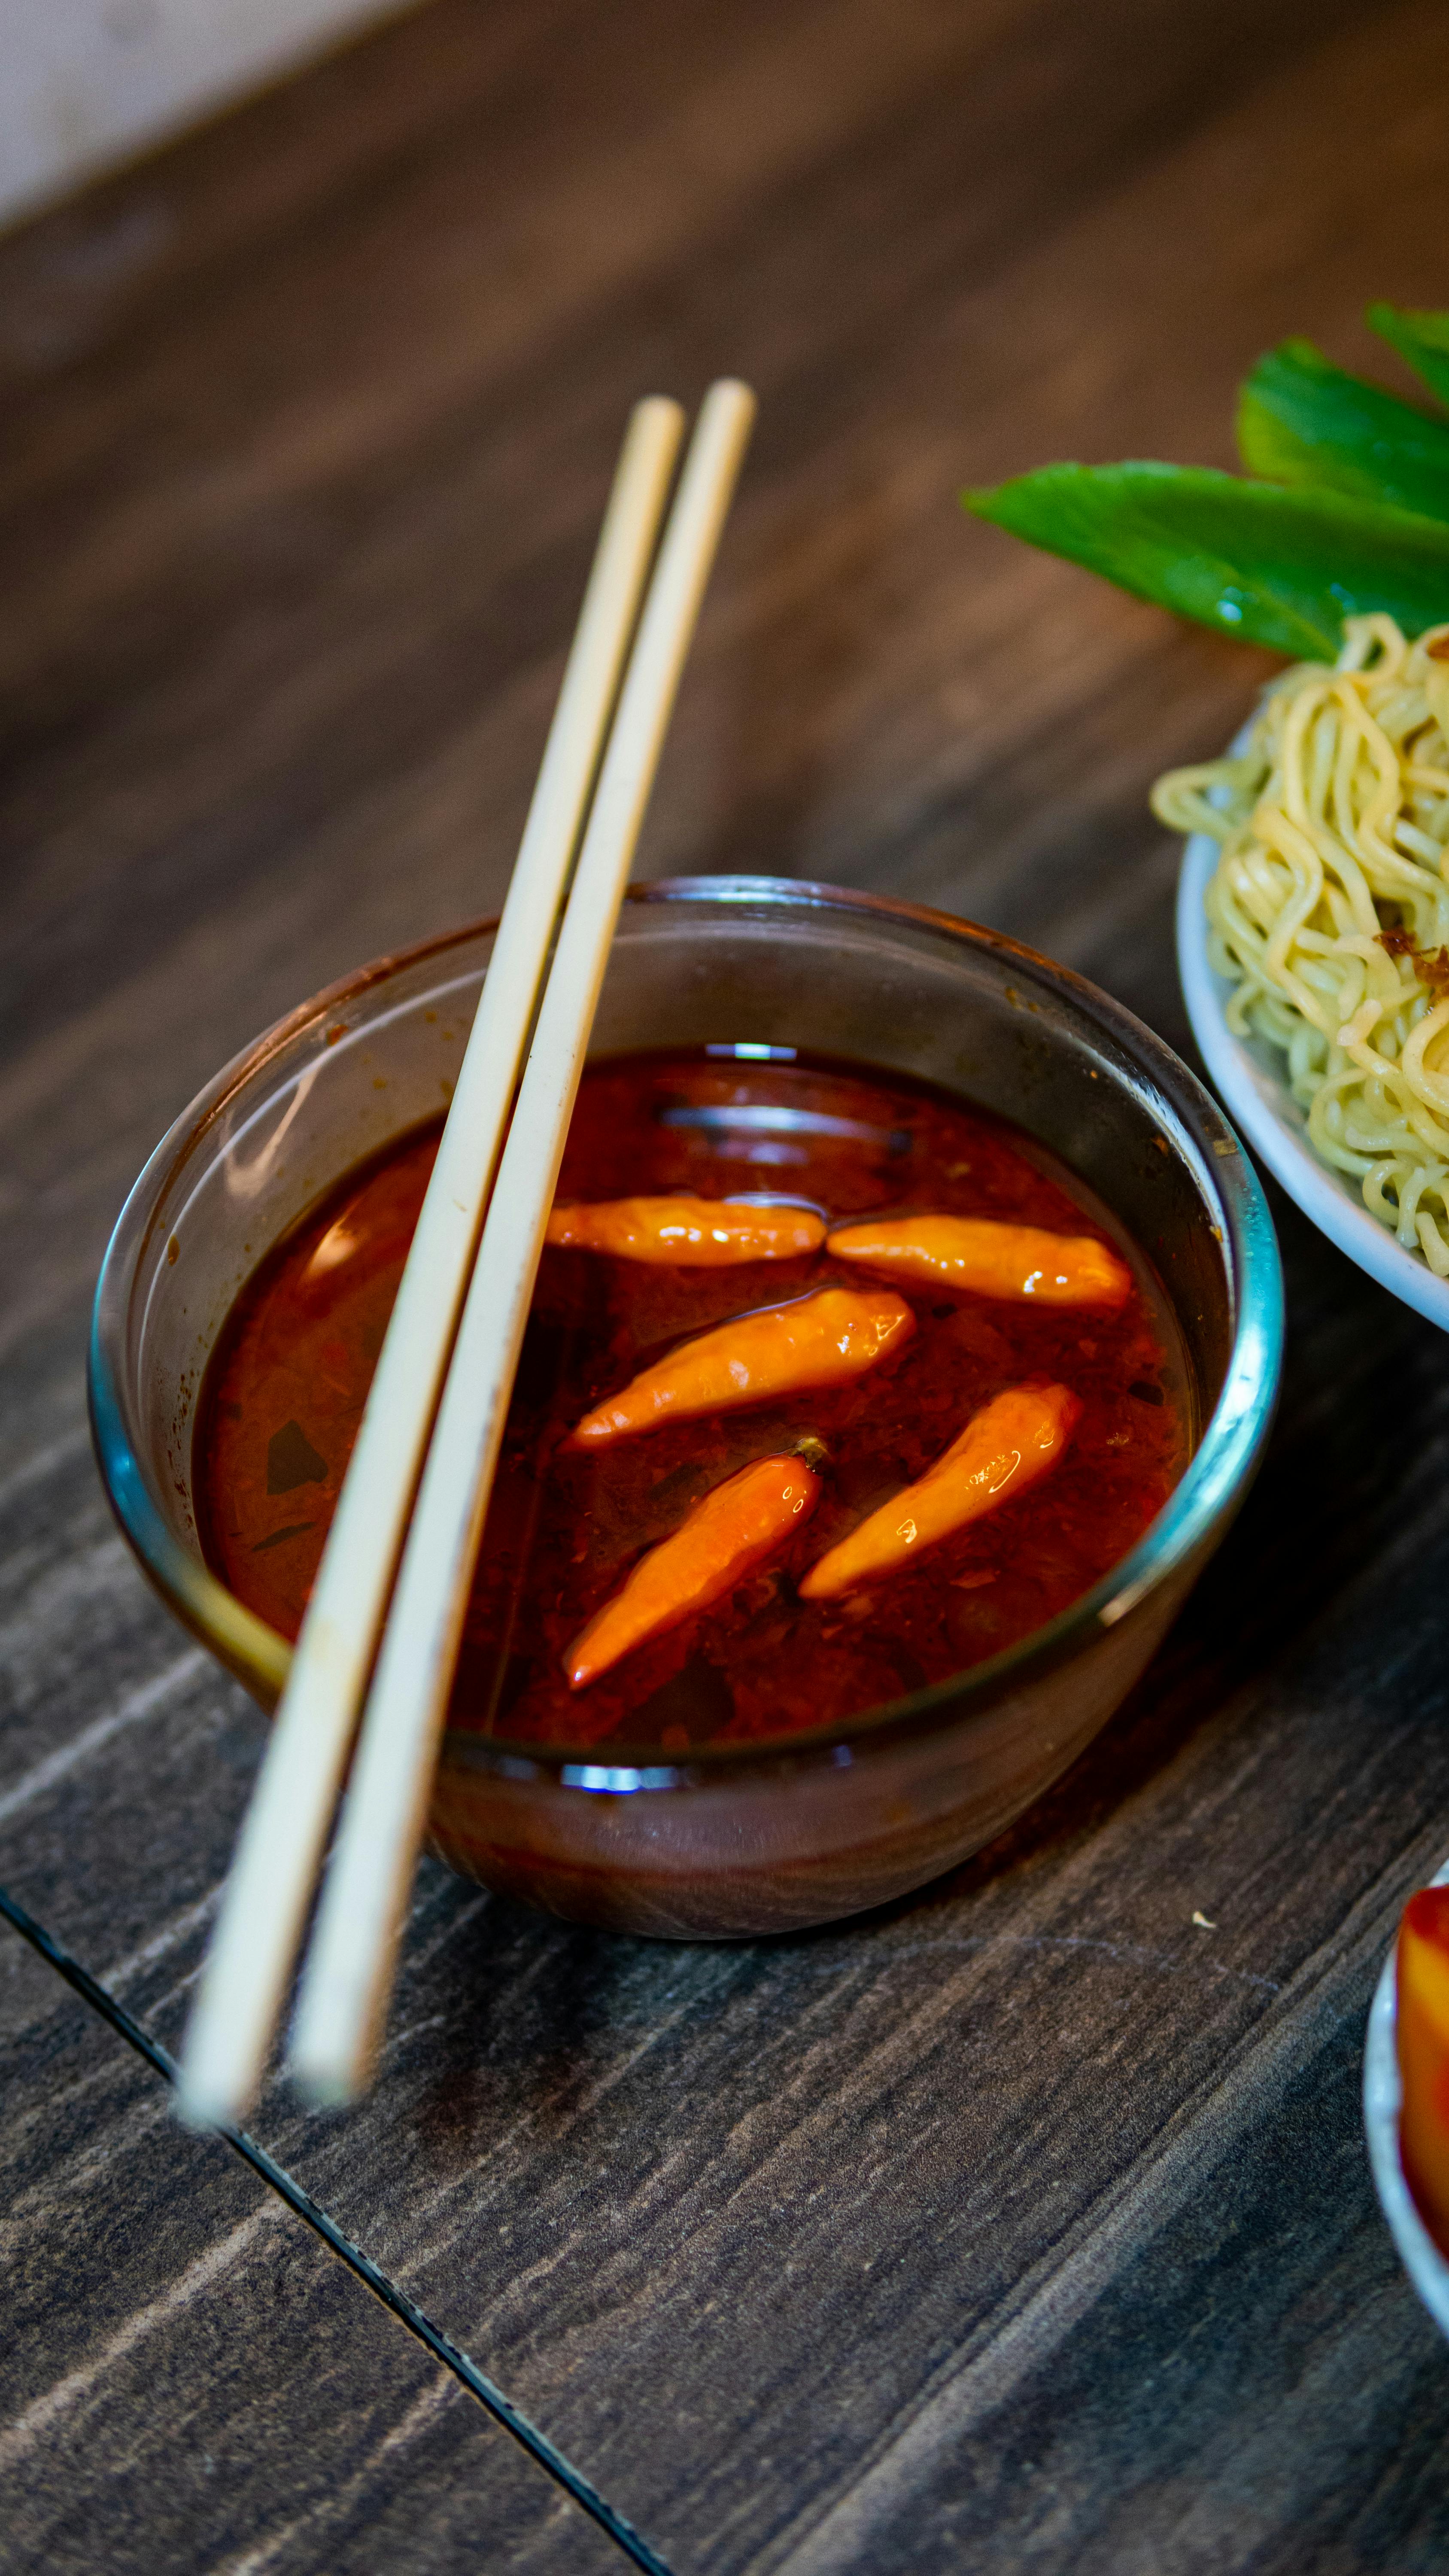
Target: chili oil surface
[287,1382]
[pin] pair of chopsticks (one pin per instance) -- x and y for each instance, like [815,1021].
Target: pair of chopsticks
[381,1633]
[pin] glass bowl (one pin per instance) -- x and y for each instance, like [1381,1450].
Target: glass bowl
[1426,2266]
[745,1839]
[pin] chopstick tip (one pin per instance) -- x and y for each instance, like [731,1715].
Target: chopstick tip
[201,2107]
[333,2044]
[733,394]
[324,2081]
[656,433]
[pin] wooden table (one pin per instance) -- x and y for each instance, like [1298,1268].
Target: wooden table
[1027,2225]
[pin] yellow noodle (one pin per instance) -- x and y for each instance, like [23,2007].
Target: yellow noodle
[1334,826]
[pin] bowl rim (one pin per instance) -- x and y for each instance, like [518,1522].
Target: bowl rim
[1264,1107]
[1221,1465]
[1427,2268]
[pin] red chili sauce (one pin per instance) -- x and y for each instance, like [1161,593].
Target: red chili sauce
[286,1385]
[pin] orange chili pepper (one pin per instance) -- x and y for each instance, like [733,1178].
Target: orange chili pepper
[1423,2039]
[991,1259]
[1002,1450]
[700,1234]
[816,1341]
[712,1550]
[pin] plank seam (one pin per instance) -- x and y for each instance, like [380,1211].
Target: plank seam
[478,2384]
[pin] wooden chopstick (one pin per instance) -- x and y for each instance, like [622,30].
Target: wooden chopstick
[349,1970]
[283,1838]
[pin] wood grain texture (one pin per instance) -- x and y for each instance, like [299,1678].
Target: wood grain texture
[189,2379]
[1028,2224]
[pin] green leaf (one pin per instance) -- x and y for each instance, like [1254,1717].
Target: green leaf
[1301,420]
[1422,341]
[1274,567]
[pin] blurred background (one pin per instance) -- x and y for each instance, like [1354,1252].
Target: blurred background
[89,83]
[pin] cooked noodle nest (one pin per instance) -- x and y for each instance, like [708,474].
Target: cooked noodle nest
[1329,908]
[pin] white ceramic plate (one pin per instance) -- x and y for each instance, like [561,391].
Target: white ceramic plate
[1247,1075]
[1421,2258]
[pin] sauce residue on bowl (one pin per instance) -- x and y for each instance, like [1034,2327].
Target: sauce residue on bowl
[286,1385]
[1422,2038]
